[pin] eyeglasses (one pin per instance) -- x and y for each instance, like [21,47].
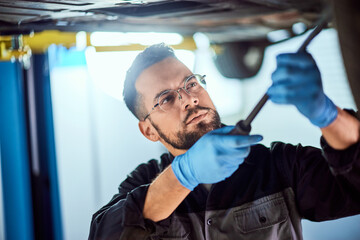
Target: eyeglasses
[167,100]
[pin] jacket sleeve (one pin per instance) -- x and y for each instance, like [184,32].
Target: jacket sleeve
[122,217]
[326,181]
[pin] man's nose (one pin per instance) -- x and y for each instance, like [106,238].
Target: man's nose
[187,100]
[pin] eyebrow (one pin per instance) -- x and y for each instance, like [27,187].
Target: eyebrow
[159,93]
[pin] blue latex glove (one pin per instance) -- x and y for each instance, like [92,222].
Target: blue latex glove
[214,157]
[297,81]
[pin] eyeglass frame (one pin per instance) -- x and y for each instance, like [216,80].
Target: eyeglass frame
[184,88]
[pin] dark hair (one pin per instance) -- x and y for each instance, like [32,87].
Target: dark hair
[145,59]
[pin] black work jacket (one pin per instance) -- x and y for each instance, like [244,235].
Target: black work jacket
[266,197]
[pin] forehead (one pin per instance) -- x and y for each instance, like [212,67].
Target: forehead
[166,74]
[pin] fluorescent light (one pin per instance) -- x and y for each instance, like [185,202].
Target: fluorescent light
[299,28]
[278,35]
[81,40]
[143,38]
[201,40]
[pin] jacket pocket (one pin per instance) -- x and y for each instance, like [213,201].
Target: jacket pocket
[261,216]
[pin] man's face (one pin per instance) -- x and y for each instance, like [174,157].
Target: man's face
[193,115]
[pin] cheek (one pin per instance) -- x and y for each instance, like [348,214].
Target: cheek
[206,101]
[170,123]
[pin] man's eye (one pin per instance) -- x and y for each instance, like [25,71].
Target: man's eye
[191,85]
[167,99]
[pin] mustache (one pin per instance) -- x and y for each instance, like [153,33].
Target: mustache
[195,110]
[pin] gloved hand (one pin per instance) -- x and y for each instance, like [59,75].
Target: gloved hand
[214,157]
[297,81]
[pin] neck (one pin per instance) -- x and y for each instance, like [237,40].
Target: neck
[174,151]
[177,152]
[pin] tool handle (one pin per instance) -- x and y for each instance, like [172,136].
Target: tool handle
[241,128]
[256,109]
[320,25]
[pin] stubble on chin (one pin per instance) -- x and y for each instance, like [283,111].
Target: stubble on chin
[186,138]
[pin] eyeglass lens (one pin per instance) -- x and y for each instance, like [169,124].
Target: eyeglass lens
[192,86]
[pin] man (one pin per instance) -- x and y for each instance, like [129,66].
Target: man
[213,185]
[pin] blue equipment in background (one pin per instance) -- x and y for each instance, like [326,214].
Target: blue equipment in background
[31,202]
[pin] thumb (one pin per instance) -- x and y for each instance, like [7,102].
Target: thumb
[238,141]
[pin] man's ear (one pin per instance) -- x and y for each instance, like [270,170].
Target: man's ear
[148,131]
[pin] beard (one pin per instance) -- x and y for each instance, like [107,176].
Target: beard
[185,139]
